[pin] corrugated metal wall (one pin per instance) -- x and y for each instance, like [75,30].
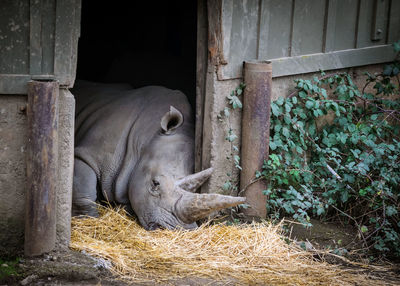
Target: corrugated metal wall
[282,29]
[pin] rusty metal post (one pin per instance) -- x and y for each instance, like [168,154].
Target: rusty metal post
[42,156]
[255,133]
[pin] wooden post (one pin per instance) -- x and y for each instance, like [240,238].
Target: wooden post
[255,133]
[42,155]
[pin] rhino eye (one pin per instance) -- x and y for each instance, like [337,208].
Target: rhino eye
[155,183]
[155,188]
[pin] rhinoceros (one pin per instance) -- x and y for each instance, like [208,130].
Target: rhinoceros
[135,147]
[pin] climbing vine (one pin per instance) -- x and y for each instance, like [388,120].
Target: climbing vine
[234,103]
[338,157]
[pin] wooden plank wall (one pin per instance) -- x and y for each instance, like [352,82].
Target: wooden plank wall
[274,29]
[38,40]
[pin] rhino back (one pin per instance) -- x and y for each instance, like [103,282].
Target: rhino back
[113,127]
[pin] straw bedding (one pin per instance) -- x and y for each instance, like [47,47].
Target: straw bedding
[240,254]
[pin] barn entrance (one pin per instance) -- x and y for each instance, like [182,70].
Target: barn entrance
[139,42]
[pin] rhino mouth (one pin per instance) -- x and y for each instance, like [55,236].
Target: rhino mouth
[167,220]
[154,226]
[165,225]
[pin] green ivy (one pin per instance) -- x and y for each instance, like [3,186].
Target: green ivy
[234,102]
[339,155]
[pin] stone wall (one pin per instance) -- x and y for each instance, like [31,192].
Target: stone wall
[66,123]
[13,140]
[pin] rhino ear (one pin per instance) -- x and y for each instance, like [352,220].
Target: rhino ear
[171,120]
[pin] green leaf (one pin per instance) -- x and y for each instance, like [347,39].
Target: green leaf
[288,208]
[320,210]
[309,104]
[302,94]
[272,145]
[364,229]
[362,192]
[226,112]
[387,70]
[275,110]
[231,137]
[287,119]
[300,124]
[299,150]
[356,153]
[235,102]
[351,127]
[349,178]
[303,115]
[294,100]
[374,117]
[391,210]
[354,138]
[227,186]
[396,46]
[287,108]
[323,92]
[300,84]
[277,127]
[285,132]
[343,121]
[344,196]
[342,137]
[312,129]
[280,101]
[267,192]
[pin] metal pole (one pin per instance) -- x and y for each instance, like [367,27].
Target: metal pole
[42,156]
[255,133]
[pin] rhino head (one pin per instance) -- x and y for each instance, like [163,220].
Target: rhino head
[162,190]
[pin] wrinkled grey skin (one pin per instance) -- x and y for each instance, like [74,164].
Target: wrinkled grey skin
[125,153]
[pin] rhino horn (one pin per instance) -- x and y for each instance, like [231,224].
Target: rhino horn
[191,207]
[192,182]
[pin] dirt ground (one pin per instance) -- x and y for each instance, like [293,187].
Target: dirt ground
[324,235]
[72,268]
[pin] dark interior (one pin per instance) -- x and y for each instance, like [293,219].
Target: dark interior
[139,42]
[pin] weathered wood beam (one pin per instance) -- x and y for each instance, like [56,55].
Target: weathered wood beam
[201,76]
[42,175]
[255,133]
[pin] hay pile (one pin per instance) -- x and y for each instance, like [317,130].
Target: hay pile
[244,254]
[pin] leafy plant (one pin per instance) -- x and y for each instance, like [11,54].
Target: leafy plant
[9,270]
[224,116]
[339,156]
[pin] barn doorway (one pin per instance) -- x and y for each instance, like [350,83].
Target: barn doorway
[141,43]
